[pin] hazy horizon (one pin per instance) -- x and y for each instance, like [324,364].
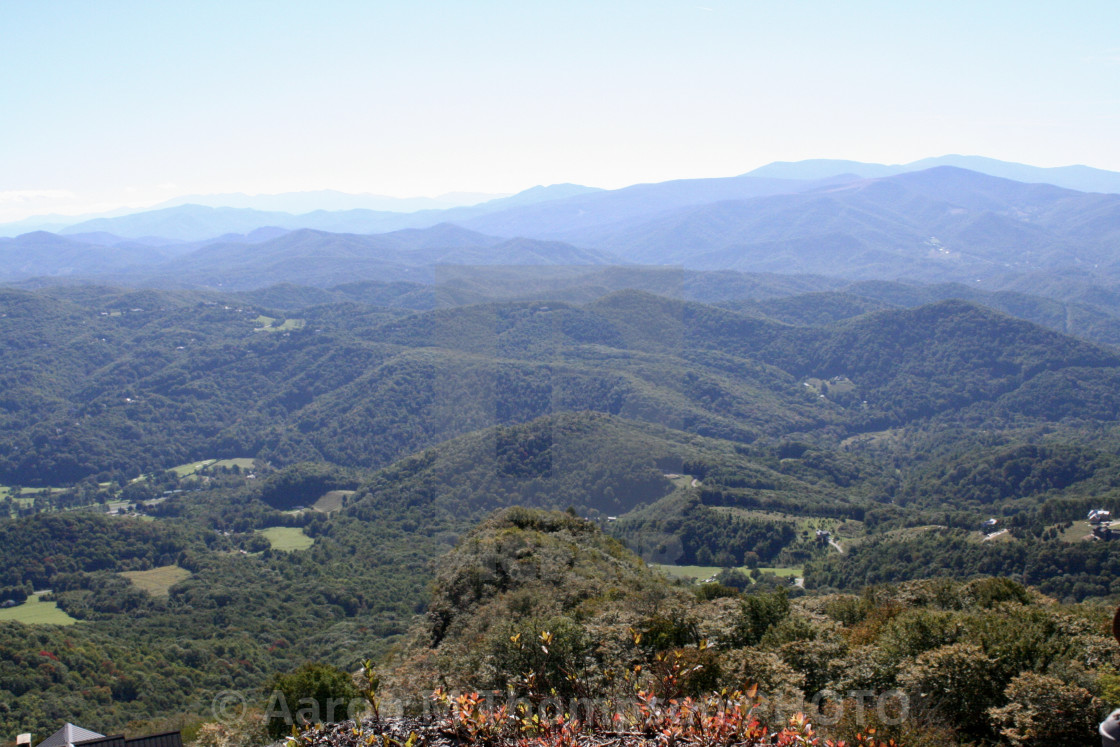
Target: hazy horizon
[124,104]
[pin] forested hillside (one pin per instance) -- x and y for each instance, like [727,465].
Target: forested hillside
[285,478]
[98,387]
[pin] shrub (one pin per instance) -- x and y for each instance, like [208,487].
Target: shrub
[956,681]
[311,693]
[1045,710]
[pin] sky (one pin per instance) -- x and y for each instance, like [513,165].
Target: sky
[110,104]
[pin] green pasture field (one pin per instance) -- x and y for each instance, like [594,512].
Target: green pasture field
[692,572]
[331,501]
[783,572]
[1080,530]
[268,324]
[157,581]
[183,470]
[36,612]
[239,462]
[287,538]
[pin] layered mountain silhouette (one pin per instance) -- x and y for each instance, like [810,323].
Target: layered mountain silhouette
[1081,178]
[942,224]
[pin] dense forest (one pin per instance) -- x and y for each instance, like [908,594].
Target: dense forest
[288,477]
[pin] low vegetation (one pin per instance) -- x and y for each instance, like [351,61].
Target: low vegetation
[534,605]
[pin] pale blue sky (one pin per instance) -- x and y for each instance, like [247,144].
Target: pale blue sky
[108,103]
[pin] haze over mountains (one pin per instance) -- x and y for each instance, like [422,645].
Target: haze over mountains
[1035,250]
[834,219]
[1080,178]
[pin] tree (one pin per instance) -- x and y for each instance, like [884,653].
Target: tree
[313,693]
[1045,710]
[956,680]
[757,613]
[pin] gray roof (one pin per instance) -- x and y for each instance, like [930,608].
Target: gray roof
[67,735]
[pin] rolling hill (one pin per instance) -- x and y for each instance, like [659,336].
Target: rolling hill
[94,383]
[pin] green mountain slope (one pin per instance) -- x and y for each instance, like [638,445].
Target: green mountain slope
[96,388]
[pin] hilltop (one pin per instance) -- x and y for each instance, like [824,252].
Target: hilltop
[533,605]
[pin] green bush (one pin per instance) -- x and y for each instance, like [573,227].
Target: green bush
[312,693]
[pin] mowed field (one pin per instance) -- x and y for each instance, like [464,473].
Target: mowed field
[157,581]
[331,501]
[240,462]
[287,538]
[36,612]
[183,470]
[269,324]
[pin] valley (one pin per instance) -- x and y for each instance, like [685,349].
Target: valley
[293,459]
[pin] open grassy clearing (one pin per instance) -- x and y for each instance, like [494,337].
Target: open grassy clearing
[1002,535]
[287,538]
[680,481]
[36,612]
[782,572]
[692,572]
[837,385]
[748,513]
[6,491]
[838,527]
[269,324]
[24,501]
[896,534]
[184,470]
[703,572]
[1081,530]
[157,581]
[242,463]
[331,501]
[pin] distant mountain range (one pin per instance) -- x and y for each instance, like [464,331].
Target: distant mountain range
[364,213]
[268,256]
[940,224]
[1081,178]
[330,199]
[937,225]
[202,217]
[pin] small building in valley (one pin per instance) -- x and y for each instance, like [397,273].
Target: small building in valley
[1099,516]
